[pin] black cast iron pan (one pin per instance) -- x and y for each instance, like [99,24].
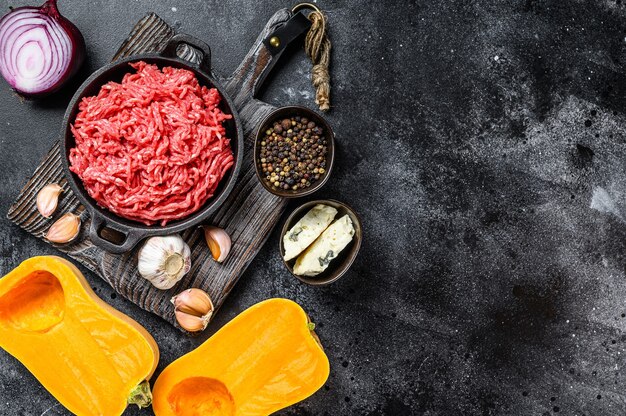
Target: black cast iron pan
[110,231]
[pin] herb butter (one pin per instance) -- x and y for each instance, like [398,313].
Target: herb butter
[301,235]
[327,247]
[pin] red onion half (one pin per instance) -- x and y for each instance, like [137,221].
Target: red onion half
[39,49]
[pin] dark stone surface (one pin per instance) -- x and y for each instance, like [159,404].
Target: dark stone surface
[482,143]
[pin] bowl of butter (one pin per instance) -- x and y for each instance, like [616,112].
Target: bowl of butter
[320,240]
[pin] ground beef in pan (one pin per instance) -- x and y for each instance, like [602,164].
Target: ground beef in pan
[152,148]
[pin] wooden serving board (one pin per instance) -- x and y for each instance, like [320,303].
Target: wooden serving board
[248,215]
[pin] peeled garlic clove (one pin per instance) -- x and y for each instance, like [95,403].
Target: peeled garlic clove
[163,261]
[65,229]
[218,241]
[191,323]
[194,302]
[48,199]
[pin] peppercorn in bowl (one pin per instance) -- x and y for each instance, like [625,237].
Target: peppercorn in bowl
[294,152]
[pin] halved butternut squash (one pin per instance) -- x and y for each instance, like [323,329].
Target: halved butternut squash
[90,357]
[265,359]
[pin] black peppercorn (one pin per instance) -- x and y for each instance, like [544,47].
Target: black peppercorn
[293,153]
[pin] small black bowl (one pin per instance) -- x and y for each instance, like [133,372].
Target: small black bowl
[267,123]
[338,266]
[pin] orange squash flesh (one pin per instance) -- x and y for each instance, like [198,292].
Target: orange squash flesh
[89,356]
[264,360]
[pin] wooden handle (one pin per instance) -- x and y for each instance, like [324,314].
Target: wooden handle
[249,76]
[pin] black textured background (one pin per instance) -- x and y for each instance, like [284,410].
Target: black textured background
[483,144]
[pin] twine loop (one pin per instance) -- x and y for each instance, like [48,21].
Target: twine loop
[317,46]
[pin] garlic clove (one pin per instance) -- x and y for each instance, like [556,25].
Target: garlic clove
[163,261]
[192,323]
[194,302]
[218,241]
[65,229]
[193,309]
[48,199]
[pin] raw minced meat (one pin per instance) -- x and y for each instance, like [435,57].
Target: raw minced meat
[152,148]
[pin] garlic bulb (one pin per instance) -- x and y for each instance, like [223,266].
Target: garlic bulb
[163,261]
[193,309]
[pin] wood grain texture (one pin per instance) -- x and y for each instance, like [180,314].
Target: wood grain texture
[248,215]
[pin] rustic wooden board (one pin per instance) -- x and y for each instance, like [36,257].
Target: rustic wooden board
[249,214]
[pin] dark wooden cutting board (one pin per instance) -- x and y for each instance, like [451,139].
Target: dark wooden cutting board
[248,215]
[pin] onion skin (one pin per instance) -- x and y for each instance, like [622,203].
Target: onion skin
[73,61]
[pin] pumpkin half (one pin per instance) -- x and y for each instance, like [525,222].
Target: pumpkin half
[90,357]
[263,360]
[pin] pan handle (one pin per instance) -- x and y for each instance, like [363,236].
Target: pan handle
[171,49]
[282,29]
[130,237]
